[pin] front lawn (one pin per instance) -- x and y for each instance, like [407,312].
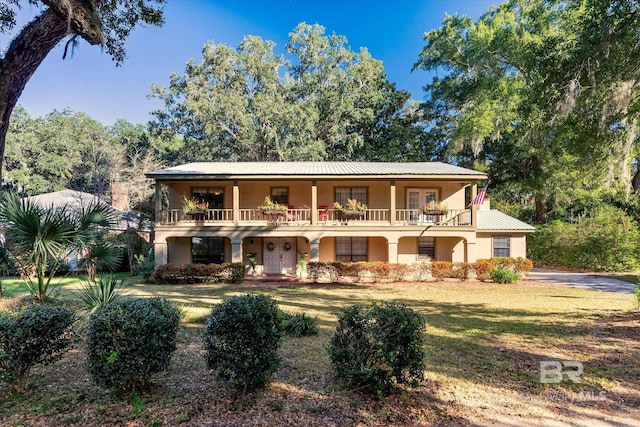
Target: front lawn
[485,343]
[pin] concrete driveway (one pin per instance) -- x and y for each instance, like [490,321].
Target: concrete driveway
[582,280]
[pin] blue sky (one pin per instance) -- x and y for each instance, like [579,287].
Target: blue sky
[392,30]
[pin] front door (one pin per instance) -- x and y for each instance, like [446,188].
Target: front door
[279,255]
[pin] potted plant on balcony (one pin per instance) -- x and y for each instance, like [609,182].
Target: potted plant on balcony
[195,209]
[353,209]
[435,209]
[272,208]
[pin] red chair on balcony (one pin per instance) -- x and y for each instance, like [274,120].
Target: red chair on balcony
[323,213]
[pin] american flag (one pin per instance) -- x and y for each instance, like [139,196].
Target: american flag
[480,197]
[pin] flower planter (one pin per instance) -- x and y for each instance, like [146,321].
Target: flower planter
[196,215]
[433,213]
[271,212]
[351,214]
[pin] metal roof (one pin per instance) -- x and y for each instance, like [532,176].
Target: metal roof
[313,169]
[493,220]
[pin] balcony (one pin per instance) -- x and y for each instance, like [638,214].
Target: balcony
[326,217]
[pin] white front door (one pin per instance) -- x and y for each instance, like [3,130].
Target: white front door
[279,254]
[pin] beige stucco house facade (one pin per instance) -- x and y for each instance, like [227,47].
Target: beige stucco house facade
[395,227]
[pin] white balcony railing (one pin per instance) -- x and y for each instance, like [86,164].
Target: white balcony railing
[455,217]
[380,217]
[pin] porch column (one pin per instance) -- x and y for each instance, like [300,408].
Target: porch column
[160,253]
[236,250]
[314,250]
[393,251]
[392,205]
[314,203]
[236,204]
[474,208]
[158,203]
[470,254]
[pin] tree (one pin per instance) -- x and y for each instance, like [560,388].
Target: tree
[60,150]
[99,22]
[38,239]
[540,88]
[251,104]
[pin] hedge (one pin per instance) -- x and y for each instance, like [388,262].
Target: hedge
[420,271]
[199,273]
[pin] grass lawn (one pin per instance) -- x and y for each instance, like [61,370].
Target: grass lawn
[485,343]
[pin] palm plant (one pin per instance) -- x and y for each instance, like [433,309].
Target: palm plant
[108,288]
[38,239]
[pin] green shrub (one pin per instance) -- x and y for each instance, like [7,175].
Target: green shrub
[504,276]
[31,335]
[606,241]
[199,273]
[130,340]
[378,346]
[106,289]
[232,272]
[300,325]
[322,270]
[242,337]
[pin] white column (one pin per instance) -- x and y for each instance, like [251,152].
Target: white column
[314,203]
[314,250]
[236,251]
[392,205]
[236,203]
[161,256]
[393,251]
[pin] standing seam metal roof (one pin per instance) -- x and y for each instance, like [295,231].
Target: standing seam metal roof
[316,168]
[496,220]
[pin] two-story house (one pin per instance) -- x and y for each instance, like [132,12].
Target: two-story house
[399,223]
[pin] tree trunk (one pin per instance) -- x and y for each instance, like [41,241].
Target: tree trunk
[29,48]
[542,215]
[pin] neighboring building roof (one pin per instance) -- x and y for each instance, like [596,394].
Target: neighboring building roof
[493,220]
[228,170]
[77,199]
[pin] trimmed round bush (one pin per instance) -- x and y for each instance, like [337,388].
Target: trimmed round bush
[377,347]
[34,334]
[130,340]
[242,337]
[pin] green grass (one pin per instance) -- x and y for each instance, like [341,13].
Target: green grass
[484,345]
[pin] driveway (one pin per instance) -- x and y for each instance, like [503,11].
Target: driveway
[582,280]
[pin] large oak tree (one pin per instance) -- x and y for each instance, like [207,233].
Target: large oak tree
[248,103]
[547,92]
[99,22]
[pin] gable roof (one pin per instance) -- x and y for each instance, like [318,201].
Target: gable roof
[231,170]
[493,220]
[75,200]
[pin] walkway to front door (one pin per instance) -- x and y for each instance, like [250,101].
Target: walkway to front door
[279,255]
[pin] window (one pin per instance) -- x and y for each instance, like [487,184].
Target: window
[426,247]
[351,249]
[213,196]
[501,246]
[207,250]
[345,193]
[280,195]
[417,198]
